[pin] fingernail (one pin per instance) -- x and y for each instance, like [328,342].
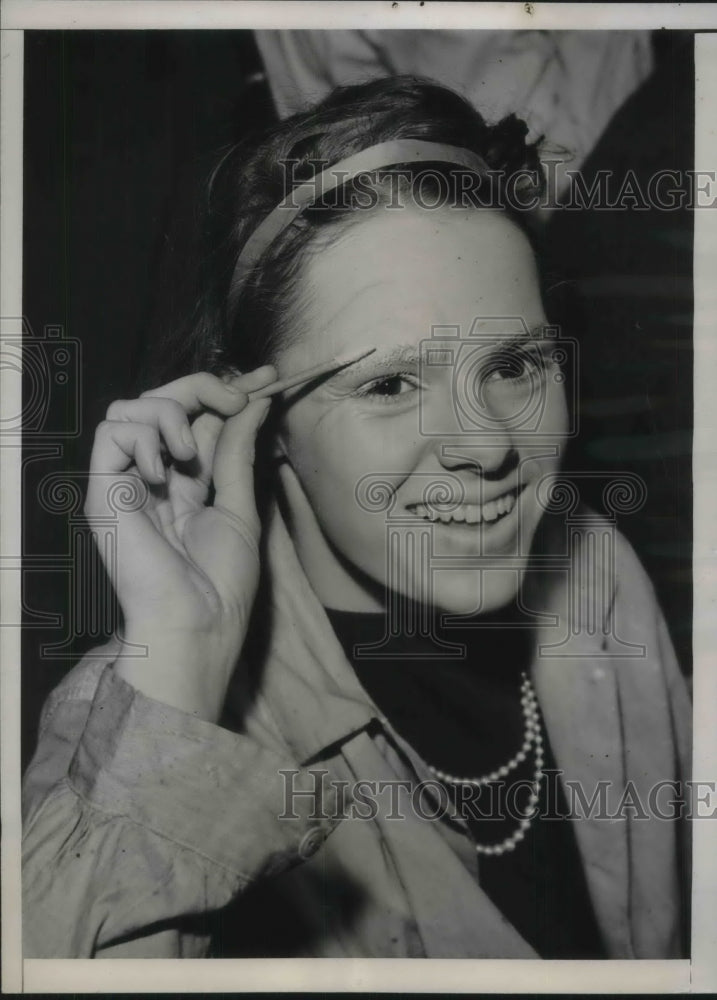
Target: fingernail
[188,438]
[159,468]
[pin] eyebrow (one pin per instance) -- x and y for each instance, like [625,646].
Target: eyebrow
[407,354]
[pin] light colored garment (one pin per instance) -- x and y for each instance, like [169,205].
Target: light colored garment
[566,85]
[139,819]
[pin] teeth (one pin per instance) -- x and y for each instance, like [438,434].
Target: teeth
[490,510]
[467,513]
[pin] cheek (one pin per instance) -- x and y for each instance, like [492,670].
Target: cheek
[332,452]
[547,450]
[557,414]
[350,469]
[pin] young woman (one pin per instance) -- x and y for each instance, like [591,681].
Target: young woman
[377,693]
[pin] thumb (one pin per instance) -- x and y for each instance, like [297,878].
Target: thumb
[234,458]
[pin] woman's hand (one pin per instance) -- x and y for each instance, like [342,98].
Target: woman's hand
[185,574]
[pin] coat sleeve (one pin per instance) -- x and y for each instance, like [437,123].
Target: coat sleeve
[139,820]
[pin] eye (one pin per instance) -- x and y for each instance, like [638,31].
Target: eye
[389,387]
[514,366]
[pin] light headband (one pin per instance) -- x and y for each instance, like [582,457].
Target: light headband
[384,154]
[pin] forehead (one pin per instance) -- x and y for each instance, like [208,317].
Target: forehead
[408,271]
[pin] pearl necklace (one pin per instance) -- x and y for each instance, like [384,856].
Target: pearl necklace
[532,737]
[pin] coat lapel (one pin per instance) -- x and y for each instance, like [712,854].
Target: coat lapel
[650,759]
[599,710]
[454,917]
[606,708]
[579,703]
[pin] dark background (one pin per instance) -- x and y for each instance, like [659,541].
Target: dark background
[120,129]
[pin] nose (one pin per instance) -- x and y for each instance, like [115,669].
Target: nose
[494,460]
[487,449]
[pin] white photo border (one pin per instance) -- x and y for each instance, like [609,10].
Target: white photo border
[697,975]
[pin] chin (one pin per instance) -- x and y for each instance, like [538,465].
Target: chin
[472,592]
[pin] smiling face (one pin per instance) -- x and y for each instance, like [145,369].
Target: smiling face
[415,471]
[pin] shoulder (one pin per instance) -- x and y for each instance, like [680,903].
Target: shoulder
[599,548]
[589,576]
[609,573]
[591,550]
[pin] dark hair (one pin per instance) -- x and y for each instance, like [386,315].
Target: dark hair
[253,177]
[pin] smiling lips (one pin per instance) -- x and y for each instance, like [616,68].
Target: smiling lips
[467,513]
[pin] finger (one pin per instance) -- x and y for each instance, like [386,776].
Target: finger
[205,391]
[231,527]
[165,415]
[189,491]
[206,429]
[208,426]
[117,447]
[251,381]
[234,459]
[118,444]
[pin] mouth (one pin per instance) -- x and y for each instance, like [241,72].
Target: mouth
[468,513]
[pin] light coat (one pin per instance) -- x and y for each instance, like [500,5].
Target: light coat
[140,821]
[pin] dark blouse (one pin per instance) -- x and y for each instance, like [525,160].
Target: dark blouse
[463,716]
